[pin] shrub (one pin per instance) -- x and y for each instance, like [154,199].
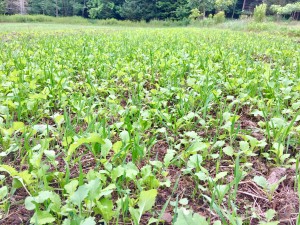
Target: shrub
[206,22]
[244,17]
[219,17]
[260,13]
[195,14]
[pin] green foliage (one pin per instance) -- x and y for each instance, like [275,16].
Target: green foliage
[138,10]
[102,9]
[145,203]
[195,14]
[223,5]
[269,188]
[260,13]
[95,8]
[202,5]
[3,6]
[188,217]
[95,121]
[219,17]
[288,9]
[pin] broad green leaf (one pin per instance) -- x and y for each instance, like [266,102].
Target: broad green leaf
[58,119]
[261,181]
[4,110]
[88,221]
[296,105]
[9,169]
[41,128]
[106,208]
[42,217]
[78,196]
[187,217]
[50,154]
[106,147]
[152,221]
[147,200]
[270,214]
[256,112]
[18,125]
[26,177]
[196,147]
[131,171]
[145,203]
[124,135]
[91,138]
[3,192]
[29,205]
[156,163]
[244,146]
[71,187]
[23,176]
[220,175]
[184,201]
[136,215]
[169,156]
[191,134]
[117,146]
[201,175]
[117,172]
[107,191]
[43,196]
[228,150]
[94,189]
[194,161]
[66,222]
[219,144]
[269,223]
[278,122]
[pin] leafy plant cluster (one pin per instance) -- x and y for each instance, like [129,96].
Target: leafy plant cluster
[288,9]
[260,13]
[93,123]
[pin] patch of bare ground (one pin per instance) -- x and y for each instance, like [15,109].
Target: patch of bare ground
[159,150]
[17,213]
[284,200]
[250,122]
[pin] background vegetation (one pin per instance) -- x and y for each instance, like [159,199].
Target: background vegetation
[148,9]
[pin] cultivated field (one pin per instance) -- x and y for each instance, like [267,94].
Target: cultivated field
[148,126]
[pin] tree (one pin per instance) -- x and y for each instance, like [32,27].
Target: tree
[103,9]
[95,8]
[223,5]
[3,4]
[138,10]
[183,9]
[166,9]
[16,6]
[260,12]
[195,14]
[77,7]
[202,5]
[289,9]
[244,5]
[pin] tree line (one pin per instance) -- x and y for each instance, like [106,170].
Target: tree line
[134,9]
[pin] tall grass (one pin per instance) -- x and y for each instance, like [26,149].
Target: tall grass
[291,28]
